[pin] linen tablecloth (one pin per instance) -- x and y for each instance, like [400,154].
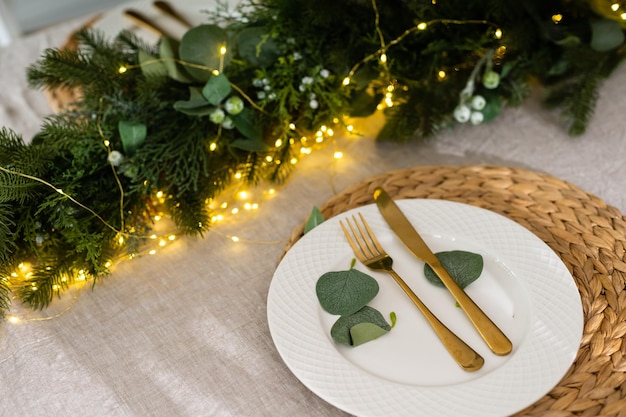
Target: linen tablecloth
[184,332]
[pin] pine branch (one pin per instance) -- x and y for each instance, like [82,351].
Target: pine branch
[281,172]
[577,94]
[46,281]
[191,214]
[7,243]
[92,67]
[5,293]
[400,122]
[17,158]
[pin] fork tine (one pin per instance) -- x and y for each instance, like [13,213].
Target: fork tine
[360,237]
[369,251]
[355,248]
[375,247]
[367,242]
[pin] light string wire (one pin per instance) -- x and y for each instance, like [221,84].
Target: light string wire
[108,148]
[17,318]
[63,193]
[379,53]
[384,47]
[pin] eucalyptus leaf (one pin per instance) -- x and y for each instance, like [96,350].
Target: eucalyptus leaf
[340,332]
[605,34]
[132,134]
[506,69]
[197,105]
[559,68]
[345,292]
[315,218]
[464,267]
[195,111]
[168,48]
[247,125]
[257,47]
[362,103]
[249,145]
[201,46]
[365,332]
[493,107]
[150,65]
[216,89]
[568,41]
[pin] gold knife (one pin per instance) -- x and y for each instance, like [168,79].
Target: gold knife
[491,334]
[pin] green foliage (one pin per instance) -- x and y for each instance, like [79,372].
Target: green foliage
[348,330]
[464,267]
[315,219]
[345,292]
[167,109]
[6,233]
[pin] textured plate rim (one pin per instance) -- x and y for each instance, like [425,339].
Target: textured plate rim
[348,387]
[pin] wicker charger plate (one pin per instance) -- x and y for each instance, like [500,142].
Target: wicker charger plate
[587,234]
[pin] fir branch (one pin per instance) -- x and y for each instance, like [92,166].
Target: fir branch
[67,68]
[577,98]
[192,160]
[16,188]
[5,292]
[46,281]
[16,158]
[281,172]
[7,242]
[92,67]
[190,213]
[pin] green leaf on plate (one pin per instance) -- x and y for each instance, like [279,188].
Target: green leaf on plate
[216,89]
[393,318]
[365,332]
[345,292]
[315,219]
[464,267]
[132,134]
[340,332]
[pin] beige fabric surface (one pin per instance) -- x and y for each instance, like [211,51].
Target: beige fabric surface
[184,332]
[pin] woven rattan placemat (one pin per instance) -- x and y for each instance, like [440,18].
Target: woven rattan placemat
[587,234]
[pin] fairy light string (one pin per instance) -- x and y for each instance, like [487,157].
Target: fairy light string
[238,198]
[417,28]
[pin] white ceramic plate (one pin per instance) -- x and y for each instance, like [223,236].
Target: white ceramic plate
[524,288]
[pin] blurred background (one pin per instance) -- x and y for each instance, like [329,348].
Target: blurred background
[20,17]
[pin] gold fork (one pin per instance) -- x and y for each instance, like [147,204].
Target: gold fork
[371,254]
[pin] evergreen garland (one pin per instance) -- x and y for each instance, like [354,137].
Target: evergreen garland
[182,117]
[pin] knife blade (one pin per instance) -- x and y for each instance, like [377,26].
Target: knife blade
[497,341]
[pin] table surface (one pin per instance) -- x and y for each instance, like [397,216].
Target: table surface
[185,332]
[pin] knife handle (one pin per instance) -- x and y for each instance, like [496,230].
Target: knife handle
[463,354]
[491,334]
